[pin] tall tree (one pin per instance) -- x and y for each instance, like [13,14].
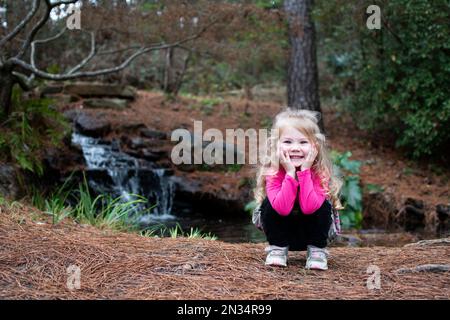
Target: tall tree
[302,81]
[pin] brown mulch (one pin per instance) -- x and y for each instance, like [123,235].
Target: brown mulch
[35,255]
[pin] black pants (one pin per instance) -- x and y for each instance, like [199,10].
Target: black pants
[296,230]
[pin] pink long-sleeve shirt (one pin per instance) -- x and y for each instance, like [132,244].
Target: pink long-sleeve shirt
[281,189]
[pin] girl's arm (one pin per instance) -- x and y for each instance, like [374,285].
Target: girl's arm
[311,195]
[281,191]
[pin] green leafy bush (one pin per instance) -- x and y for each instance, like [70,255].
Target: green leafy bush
[32,126]
[396,77]
[351,193]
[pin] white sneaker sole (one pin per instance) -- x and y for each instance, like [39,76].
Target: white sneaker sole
[274,264]
[316,267]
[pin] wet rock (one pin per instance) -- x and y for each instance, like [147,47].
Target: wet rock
[72,114]
[100,181]
[53,88]
[148,154]
[106,103]
[58,161]
[190,194]
[92,126]
[347,240]
[419,204]
[379,210]
[129,127]
[9,183]
[153,134]
[115,145]
[95,89]
[412,215]
[153,155]
[62,98]
[443,214]
[137,143]
[133,153]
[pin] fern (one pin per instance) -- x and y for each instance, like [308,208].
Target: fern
[32,126]
[351,193]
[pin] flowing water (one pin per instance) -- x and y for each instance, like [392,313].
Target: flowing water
[111,171]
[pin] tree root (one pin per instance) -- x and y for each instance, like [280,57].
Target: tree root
[443,241]
[425,268]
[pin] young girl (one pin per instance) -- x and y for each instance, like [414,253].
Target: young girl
[296,190]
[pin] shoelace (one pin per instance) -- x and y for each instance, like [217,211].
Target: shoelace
[277,252]
[318,255]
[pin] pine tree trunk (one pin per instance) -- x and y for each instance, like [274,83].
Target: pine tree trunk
[302,82]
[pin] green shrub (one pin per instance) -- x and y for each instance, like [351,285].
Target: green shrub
[397,77]
[32,126]
[351,193]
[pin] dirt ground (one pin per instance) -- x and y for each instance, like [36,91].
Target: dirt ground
[39,261]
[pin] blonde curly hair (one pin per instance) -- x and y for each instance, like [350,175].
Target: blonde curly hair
[306,121]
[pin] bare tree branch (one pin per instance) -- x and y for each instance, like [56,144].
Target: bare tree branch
[88,58]
[23,81]
[49,76]
[22,24]
[33,44]
[40,24]
[58,3]
[100,53]
[66,76]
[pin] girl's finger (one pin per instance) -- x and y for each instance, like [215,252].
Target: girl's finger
[288,157]
[283,159]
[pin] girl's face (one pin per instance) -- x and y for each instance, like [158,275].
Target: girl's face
[294,143]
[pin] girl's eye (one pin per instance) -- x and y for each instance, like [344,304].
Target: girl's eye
[304,142]
[287,141]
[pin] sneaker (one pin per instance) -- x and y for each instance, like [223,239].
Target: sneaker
[316,258]
[277,256]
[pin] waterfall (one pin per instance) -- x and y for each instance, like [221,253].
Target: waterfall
[119,174]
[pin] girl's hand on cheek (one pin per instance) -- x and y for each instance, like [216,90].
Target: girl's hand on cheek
[307,164]
[287,164]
